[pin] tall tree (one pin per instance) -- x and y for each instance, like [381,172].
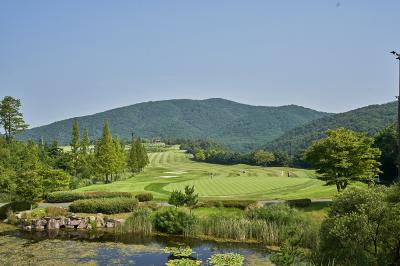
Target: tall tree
[132,162]
[263,157]
[120,156]
[11,118]
[143,158]
[75,144]
[85,145]
[343,156]
[105,155]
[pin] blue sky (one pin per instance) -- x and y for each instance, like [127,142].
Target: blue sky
[72,58]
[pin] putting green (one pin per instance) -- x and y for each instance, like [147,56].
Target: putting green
[173,169]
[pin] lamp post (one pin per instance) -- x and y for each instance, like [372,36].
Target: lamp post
[397,55]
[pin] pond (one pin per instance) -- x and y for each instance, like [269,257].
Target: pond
[106,248]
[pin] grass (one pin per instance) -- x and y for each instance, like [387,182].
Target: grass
[173,169]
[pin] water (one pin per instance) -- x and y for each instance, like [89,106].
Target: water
[105,248]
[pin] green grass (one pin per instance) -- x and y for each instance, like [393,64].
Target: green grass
[173,169]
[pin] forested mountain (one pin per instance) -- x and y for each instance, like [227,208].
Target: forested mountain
[239,126]
[367,119]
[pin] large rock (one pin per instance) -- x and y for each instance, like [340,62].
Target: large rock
[53,224]
[100,220]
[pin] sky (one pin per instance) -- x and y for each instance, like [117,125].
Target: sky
[71,58]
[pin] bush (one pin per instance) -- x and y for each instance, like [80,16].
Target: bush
[15,206]
[144,197]
[183,262]
[277,213]
[173,221]
[299,203]
[104,205]
[231,259]
[70,196]
[240,204]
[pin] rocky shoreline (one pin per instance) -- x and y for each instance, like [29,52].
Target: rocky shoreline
[68,222]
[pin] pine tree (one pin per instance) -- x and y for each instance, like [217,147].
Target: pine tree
[120,156]
[85,145]
[105,155]
[75,144]
[11,118]
[143,159]
[133,163]
[85,157]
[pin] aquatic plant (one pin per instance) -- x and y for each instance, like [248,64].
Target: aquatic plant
[179,251]
[183,262]
[140,221]
[227,259]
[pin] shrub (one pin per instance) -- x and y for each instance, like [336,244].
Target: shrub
[15,206]
[138,222]
[231,259]
[56,211]
[70,196]
[144,197]
[173,221]
[299,203]
[240,204]
[11,217]
[104,205]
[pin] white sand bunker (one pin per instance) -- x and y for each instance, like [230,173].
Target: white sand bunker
[168,176]
[176,172]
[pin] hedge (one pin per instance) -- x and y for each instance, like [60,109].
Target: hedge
[15,206]
[240,204]
[104,205]
[70,196]
[144,197]
[301,203]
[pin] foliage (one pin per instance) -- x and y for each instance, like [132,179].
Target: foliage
[343,156]
[240,204]
[173,221]
[137,156]
[14,206]
[277,213]
[182,251]
[104,205]
[191,199]
[287,256]
[56,211]
[11,118]
[263,157]
[141,197]
[54,180]
[69,196]
[140,221]
[227,259]
[29,186]
[183,262]
[386,141]
[75,145]
[362,228]
[177,198]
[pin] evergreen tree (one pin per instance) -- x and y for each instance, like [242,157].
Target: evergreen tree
[191,199]
[120,156]
[75,144]
[11,118]
[85,145]
[29,186]
[30,159]
[85,157]
[142,156]
[105,155]
[133,163]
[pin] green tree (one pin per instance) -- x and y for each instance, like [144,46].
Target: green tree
[177,198]
[191,199]
[105,155]
[30,158]
[54,180]
[120,156]
[133,162]
[200,155]
[386,141]
[143,158]
[75,145]
[343,156]
[11,118]
[263,157]
[29,186]
[85,145]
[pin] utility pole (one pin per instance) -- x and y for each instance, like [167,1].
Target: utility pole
[397,55]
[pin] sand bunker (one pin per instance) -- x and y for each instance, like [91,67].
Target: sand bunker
[176,172]
[168,176]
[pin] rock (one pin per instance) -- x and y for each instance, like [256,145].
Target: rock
[39,223]
[82,225]
[75,222]
[69,227]
[27,228]
[100,220]
[39,228]
[53,224]
[91,218]
[5,221]
[110,225]
[89,227]
[18,215]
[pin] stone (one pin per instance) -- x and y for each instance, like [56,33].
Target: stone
[53,224]
[5,221]
[100,220]
[39,228]
[82,225]
[91,218]
[89,227]
[75,222]
[69,227]
[27,228]
[110,225]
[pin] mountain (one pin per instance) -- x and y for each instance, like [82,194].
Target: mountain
[367,119]
[239,126]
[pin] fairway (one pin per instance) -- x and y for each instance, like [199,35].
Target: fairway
[174,169]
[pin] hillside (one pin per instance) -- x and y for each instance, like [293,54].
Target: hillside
[367,119]
[239,126]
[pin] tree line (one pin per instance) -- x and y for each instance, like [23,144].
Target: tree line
[30,170]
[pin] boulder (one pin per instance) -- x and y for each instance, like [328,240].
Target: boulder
[27,228]
[53,224]
[100,220]
[82,224]
[110,225]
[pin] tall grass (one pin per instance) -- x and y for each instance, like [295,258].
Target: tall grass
[140,221]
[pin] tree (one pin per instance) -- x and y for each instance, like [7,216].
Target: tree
[362,228]
[75,144]
[191,199]
[133,163]
[177,198]
[11,118]
[343,156]
[30,158]
[143,159]
[29,186]
[200,155]
[386,141]
[85,145]
[263,157]
[105,156]
[120,156]
[54,180]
